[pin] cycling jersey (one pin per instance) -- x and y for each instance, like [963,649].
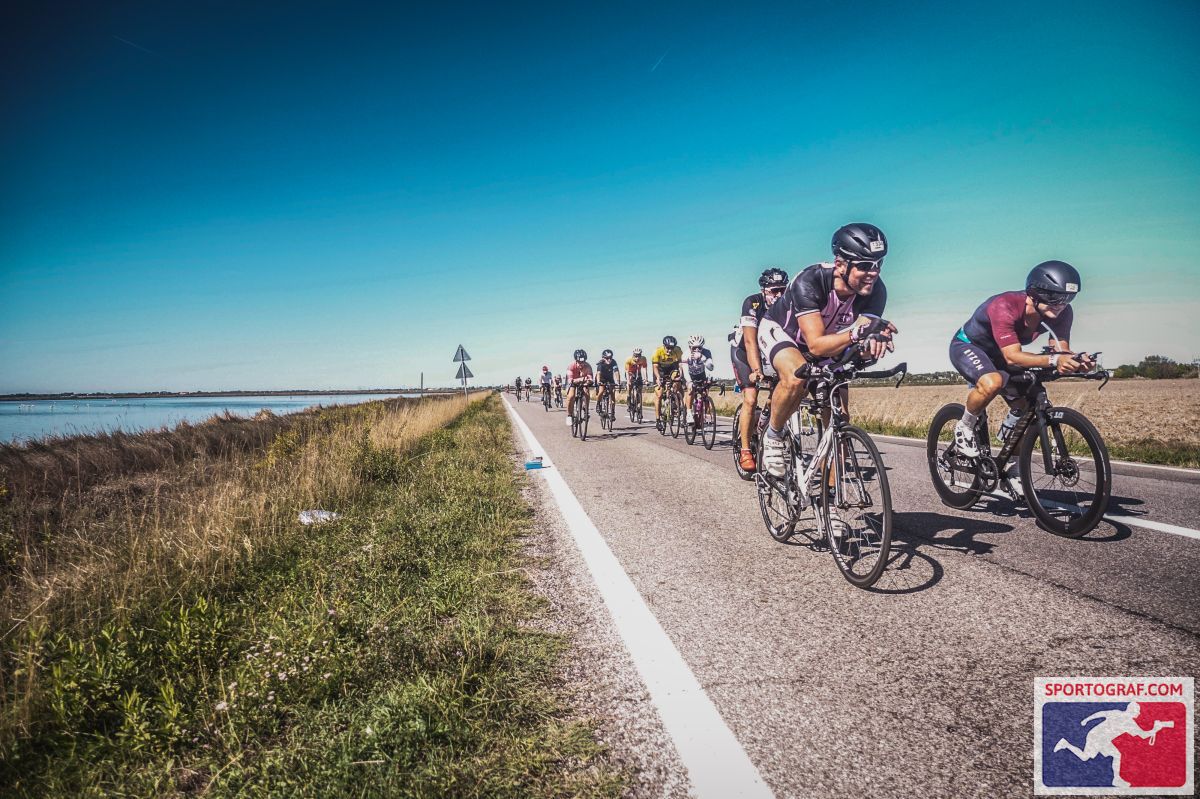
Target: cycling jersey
[578,369]
[1000,321]
[667,360]
[697,364]
[606,371]
[811,292]
[546,378]
[754,308]
[558,380]
[635,365]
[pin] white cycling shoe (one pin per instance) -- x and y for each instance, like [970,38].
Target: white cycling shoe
[774,458]
[964,441]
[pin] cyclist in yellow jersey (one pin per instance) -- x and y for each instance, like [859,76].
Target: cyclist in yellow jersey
[665,365]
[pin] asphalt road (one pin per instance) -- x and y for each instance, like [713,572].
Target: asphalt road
[921,687]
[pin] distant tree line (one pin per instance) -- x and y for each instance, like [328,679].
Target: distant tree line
[1156,367]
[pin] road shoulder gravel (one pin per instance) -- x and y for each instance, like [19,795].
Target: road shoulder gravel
[601,680]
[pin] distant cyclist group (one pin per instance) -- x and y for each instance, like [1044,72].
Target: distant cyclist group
[802,340]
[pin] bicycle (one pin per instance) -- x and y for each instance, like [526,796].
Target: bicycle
[633,402]
[843,481]
[704,413]
[1057,449]
[580,412]
[558,397]
[671,419]
[759,423]
[606,409]
[546,397]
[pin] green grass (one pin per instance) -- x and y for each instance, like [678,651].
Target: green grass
[392,653]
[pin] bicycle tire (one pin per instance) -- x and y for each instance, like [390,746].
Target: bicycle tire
[677,416]
[708,425]
[778,514]
[952,495]
[846,553]
[1043,500]
[583,420]
[689,428]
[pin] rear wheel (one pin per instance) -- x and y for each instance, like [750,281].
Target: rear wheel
[676,417]
[708,424]
[954,476]
[857,514]
[1068,497]
[689,427]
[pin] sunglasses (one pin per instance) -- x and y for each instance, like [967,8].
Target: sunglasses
[1056,300]
[867,266]
[774,291]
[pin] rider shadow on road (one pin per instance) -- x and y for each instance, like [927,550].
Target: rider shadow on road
[912,567]
[1005,507]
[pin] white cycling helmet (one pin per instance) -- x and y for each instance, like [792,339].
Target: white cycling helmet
[695,341]
[637,352]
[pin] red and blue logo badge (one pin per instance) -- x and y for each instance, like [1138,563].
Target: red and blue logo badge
[1114,735]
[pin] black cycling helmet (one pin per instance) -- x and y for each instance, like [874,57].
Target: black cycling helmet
[606,354]
[580,355]
[860,241]
[772,278]
[1053,282]
[669,341]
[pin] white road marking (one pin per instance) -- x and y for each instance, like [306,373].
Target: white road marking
[1121,518]
[716,762]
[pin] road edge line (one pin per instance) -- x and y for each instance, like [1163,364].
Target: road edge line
[716,762]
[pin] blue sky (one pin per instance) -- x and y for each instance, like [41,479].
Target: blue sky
[336,195]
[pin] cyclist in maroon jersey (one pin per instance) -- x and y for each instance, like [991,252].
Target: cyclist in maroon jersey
[992,340]
[579,374]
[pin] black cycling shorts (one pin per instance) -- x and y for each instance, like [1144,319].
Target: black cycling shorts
[972,363]
[741,367]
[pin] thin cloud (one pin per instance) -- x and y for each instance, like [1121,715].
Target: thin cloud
[134,45]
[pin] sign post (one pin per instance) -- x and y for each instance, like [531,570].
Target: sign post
[461,358]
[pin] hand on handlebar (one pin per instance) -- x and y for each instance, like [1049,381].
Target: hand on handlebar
[1069,363]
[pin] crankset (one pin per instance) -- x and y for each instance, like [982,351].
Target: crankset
[989,473]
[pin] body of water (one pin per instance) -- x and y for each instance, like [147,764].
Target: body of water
[22,421]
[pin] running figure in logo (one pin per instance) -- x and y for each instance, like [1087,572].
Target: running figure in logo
[1100,738]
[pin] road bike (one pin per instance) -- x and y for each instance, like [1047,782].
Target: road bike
[518,393]
[633,402]
[558,396]
[672,417]
[606,408]
[546,397]
[758,423]
[580,412]
[528,393]
[842,480]
[704,415]
[1063,465]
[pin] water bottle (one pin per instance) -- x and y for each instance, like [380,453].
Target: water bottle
[1006,427]
[764,418]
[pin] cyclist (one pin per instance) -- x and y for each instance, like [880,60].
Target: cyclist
[558,389]
[608,375]
[993,337]
[528,387]
[546,379]
[635,367]
[825,309]
[698,362]
[578,374]
[665,366]
[517,388]
[747,360]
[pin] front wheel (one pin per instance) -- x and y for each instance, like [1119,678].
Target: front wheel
[1066,476]
[676,418]
[857,508]
[954,476]
[689,427]
[777,496]
[708,423]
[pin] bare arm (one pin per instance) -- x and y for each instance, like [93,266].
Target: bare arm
[1065,363]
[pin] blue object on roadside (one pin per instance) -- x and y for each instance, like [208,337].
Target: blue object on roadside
[536,463]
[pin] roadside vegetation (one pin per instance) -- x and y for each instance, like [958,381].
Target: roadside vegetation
[171,629]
